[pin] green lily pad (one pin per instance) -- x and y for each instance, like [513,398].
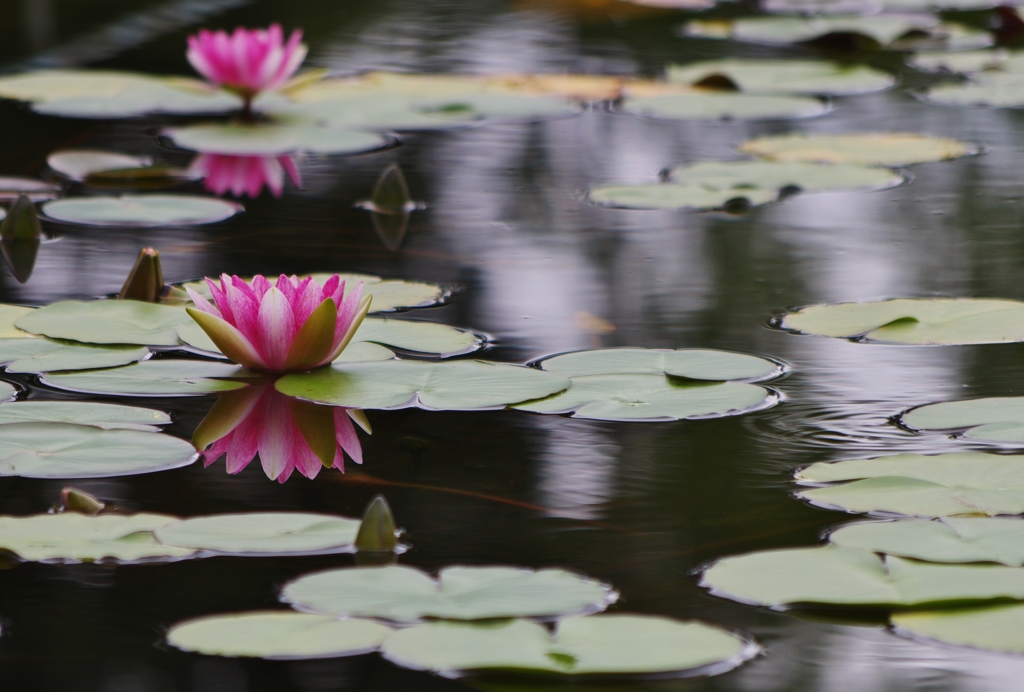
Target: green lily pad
[869,149]
[833,575]
[78,164]
[677,196]
[590,645]
[382,112]
[651,398]
[107,416]
[154,378]
[701,104]
[995,89]
[262,533]
[7,391]
[996,419]
[753,75]
[463,385]
[356,352]
[693,363]
[419,337]
[404,594]
[967,62]
[72,537]
[43,355]
[277,635]
[64,450]
[964,539]
[273,139]
[823,7]
[141,210]
[107,322]
[779,176]
[8,315]
[915,321]
[914,484]
[996,628]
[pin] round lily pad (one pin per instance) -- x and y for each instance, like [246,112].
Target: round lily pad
[277,635]
[678,196]
[996,89]
[108,416]
[463,385]
[262,533]
[44,355]
[996,419]
[833,575]
[966,62]
[73,537]
[709,105]
[590,645]
[752,75]
[419,337]
[954,539]
[869,149]
[693,363]
[78,164]
[64,450]
[914,321]
[994,628]
[8,315]
[914,484]
[273,139]
[784,176]
[154,378]
[651,398]
[141,210]
[107,322]
[404,594]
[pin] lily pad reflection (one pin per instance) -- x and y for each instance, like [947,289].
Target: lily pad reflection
[995,628]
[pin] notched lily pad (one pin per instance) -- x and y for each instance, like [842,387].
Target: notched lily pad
[995,628]
[44,355]
[262,533]
[404,594]
[107,416]
[107,322]
[73,537]
[277,635]
[273,139]
[141,210]
[994,419]
[954,539]
[155,378]
[754,75]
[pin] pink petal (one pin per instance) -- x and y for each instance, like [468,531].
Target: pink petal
[276,439]
[346,435]
[277,328]
[202,303]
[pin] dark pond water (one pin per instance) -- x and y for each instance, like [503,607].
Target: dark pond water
[640,505]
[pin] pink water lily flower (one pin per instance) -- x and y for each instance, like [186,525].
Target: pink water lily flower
[245,175]
[293,326]
[247,61]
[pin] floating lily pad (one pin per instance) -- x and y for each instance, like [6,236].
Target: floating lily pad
[277,635]
[754,75]
[966,62]
[8,315]
[404,594]
[677,196]
[869,149]
[78,164]
[73,537]
[64,450]
[997,419]
[108,416]
[784,176]
[11,188]
[107,322]
[463,385]
[262,532]
[693,363]
[701,104]
[141,210]
[154,378]
[382,112]
[273,139]
[914,484]
[996,628]
[833,575]
[356,352]
[966,539]
[915,321]
[594,644]
[651,398]
[996,89]
[7,391]
[43,355]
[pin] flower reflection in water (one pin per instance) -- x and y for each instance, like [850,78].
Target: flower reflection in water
[286,433]
[245,175]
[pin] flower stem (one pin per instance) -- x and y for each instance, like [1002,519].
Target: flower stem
[247,108]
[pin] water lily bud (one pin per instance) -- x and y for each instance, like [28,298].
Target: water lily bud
[80,502]
[146,280]
[377,533]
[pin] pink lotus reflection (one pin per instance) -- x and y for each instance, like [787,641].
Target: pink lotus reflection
[287,434]
[245,175]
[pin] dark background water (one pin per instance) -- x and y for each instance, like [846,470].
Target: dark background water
[640,505]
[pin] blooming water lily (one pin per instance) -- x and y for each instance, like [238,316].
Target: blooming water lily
[293,326]
[245,175]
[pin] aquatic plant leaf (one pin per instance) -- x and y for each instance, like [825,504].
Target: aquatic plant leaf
[108,416]
[756,75]
[7,391]
[693,363]
[74,537]
[869,149]
[141,210]
[78,164]
[404,594]
[780,177]
[106,322]
[916,321]
[919,485]
[825,7]
[955,539]
[967,62]
[8,315]
[154,378]
[996,89]
[593,644]
[277,634]
[677,196]
[64,450]
[12,187]
[463,385]
[262,533]
[419,337]
[709,105]
[996,419]
[651,398]
[995,628]
[834,575]
[44,355]
[273,139]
